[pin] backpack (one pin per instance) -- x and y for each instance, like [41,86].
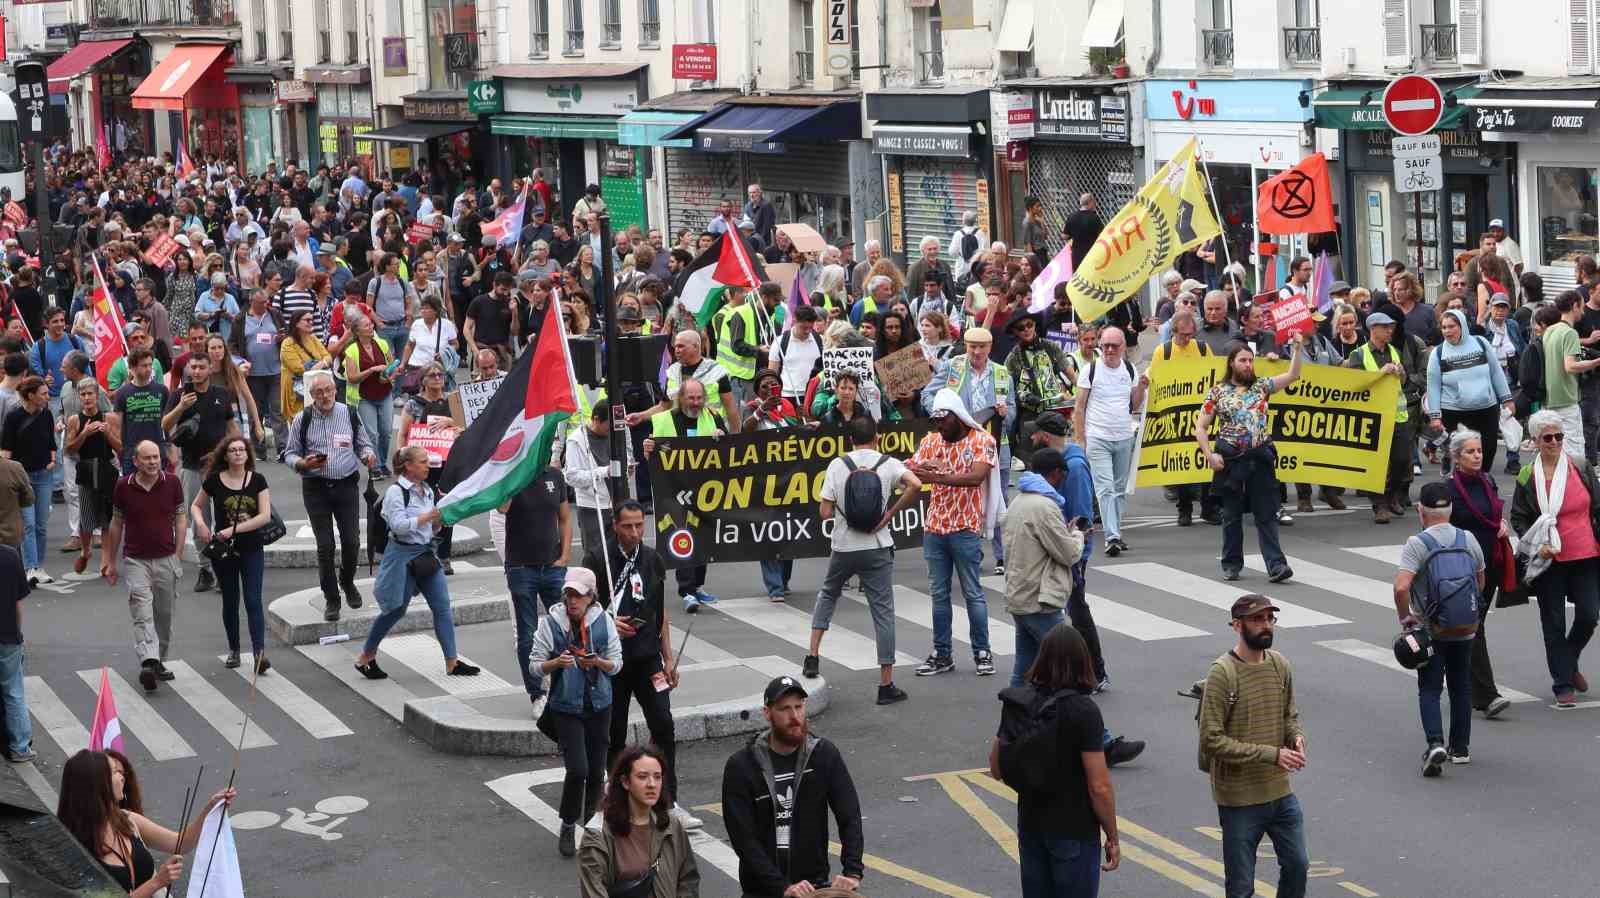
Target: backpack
[377,526]
[1449,577]
[1166,350]
[1530,379]
[862,501]
[1088,381]
[1030,761]
[969,244]
[783,351]
[1230,696]
[305,424]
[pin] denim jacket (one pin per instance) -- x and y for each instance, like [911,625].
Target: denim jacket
[575,690]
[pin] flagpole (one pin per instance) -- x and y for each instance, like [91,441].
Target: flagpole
[1222,223]
[249,706]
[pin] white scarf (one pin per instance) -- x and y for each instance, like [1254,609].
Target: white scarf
[1551,496]
[994,500]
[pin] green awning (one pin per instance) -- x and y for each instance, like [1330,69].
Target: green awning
[1341,108]
[645,128]
[554,126]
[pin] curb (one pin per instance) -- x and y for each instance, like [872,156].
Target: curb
[478,596]
[450,725]
[293,552]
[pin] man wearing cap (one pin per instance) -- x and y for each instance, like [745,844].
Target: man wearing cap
[1250,741]
[1506,247]
[985,391]
[1038,370]
[1379,354]
[537,230]
[777,793]
[747,230]
[1438,542]
[1044,551]
[337,270]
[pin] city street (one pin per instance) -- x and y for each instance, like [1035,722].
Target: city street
[336,797]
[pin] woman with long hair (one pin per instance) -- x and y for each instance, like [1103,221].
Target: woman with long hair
[183,290]
[432,338]
[1058,828]
[894,334]
[429,410]
[92,789]
[639,848]
[246,270]
[935,342]
[576,314]
[30,439]
[300,352]
[226,371]
[370,383]
[831,291]
[583,270]
[132,795]
[97,446]
[241,505]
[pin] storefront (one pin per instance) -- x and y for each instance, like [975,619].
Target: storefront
[563,119]
[940,162]
[97,79]
[199,104]
[1382,224]
[342,109]
[796,146]
[684,200]
[438,134]
[1248,131]
[1088,137]
[1557,158]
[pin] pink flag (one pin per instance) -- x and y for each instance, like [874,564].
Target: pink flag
[185,164]
[507,226]
[102,148]
[106,732]
[1322,283]
[1059,271]
[797,298]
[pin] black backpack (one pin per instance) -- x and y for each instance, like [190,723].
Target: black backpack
[969,244]
[1530,379]
[305,425]
[1030,760]
[862,501]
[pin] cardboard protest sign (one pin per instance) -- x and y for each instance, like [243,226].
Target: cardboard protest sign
[162,250]
[470,399]
[857,359]
[904,372]
[1291,316]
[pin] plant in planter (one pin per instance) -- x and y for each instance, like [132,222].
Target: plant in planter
[1101,59]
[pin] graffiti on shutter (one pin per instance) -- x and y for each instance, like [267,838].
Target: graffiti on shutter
[934,194]
[697,182]
[1059,175]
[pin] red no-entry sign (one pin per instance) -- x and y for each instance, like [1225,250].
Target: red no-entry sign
[1413,104]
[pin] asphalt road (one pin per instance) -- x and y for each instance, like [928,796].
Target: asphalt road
[344,801]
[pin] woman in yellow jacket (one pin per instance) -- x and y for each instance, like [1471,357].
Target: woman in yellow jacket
[300,352]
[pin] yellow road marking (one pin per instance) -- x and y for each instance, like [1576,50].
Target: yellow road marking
[933,776]
[986,818]
[1358,890]
[1171,871]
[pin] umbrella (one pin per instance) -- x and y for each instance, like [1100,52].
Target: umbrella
[377,527]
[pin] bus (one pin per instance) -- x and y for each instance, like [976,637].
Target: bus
[11,155]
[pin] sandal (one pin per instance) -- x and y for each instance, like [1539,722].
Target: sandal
[371,671]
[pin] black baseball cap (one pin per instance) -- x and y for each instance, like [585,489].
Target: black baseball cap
[1254,603]
[1436,495]
[1049,422]
[780,687]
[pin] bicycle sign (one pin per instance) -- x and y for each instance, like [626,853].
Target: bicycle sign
[1417,174]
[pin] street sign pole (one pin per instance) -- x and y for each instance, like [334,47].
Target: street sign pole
[1412,107]
[32,90]
[613,362]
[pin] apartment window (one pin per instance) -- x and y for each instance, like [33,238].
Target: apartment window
[574,44]
[352,31]
[805,54]
[928,40]
[1222,15]
[447,17]
[1307,13]
[285,30]
[703,21]
[855,42]
[1302,44]
[649,23]
[319,14]
[611,23]
[257,13]
[1217,41]
[539,45]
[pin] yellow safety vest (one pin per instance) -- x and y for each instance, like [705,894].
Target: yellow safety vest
[740,366]
[1370,363]
[662,424]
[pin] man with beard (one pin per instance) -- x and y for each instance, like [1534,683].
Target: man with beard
[777,793]
[1244,457]
[1250,751]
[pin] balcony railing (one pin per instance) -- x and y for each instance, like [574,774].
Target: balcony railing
[1439,43]
[611,34]
[931,66]
[1302,46]
[541,44]
[804,67]
[135,13]
[649,34]
[1218,47]
[574,41]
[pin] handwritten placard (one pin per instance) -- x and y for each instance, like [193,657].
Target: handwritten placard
[1291,316]
[904,372]
[162,251]
[855,359]
[470,399]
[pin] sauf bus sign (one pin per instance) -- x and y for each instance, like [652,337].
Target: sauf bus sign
[836,27]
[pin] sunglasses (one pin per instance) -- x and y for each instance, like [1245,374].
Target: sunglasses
[1552,437]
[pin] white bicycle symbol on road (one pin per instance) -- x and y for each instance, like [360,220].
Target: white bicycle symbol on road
[320,822]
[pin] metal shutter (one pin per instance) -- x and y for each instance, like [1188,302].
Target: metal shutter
[803,168]
[1058,175]
[934,193]
[697,182]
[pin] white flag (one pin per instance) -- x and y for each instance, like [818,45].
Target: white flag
[215,848]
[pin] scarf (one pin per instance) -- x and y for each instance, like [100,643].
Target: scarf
[1550,497]
[1491,521]
[994,500]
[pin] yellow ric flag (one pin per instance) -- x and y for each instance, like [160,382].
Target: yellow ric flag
[1170,214]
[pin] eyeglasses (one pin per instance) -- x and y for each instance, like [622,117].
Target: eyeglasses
[1552,437]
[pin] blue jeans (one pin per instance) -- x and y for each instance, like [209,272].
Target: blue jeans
[378,419]
[1242,829]
[962,552]
[437,593]
[1261,495]
[1109,464]
[19,729]
[1567,581]
[1054,867]
[247,569]
[36,520]
[1451,661]
[1031,630]
[534,588]
[1005,487]
[775,576]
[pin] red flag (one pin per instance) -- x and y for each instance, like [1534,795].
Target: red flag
[106,731]
[734,268]
[185,164]
[1298,201]
[109,342]
[102,148]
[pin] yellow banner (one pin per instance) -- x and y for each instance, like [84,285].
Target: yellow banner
[1332,427]
[1169,215]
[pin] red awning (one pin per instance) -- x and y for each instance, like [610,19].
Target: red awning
[168,86]
[80,59]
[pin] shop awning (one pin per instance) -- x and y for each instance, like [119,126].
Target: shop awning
[1361,108]
[415,132]
[765,129]
[1539,107]
[168,86]
[648,128]
[80,59]
[1105,24]
[554,126]
[1016,29]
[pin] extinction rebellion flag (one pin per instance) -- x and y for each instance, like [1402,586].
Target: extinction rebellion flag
[509,443]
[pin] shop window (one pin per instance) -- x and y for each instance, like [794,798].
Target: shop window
[1568,227]
[539,18]
[446,17]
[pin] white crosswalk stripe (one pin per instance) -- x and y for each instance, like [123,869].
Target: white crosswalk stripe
[1215,593]
[53,714]
[841,646]
[140,720]
[1383,657]
[1385,554]
[420,652]
[293,701]
[1120,618]
[1343,583]
[917,608]
[224,716]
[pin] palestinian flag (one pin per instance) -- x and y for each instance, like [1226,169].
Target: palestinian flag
[509,443]
[725,263]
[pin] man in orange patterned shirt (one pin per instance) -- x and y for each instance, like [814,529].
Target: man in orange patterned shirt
[959,460]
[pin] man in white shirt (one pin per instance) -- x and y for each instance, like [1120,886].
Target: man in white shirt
[966,243]
[1103,422]
[796,355]
[867,553]
[1299,277]
[1505,247]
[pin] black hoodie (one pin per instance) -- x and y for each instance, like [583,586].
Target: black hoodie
[821,782]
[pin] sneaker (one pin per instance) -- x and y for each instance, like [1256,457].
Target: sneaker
[1113,547]
[890,694]
[691,603]
[330,611]
[777,598]
[232,662]
[705,598]
[22,757]
[1496,707]
[204,582]
[538,702]
[147,676]
[811,667]
[1416,470]
[1230,573]
[1102,686]
[567,841]
[166,675]
[75,544]
[463,669]
[688,820]
[1281,575]
[1433,760]
[1121,751]
[1460,756]
[39,574]
[1285,519]
[1566,701]
[935,665]
[984,661]
[1000,570]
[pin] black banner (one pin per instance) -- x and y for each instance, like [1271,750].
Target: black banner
[753,496]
